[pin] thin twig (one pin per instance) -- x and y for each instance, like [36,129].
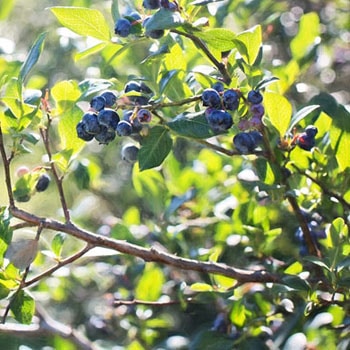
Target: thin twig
[150,303]
[58,179]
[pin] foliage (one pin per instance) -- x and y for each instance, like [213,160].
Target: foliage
[200,243]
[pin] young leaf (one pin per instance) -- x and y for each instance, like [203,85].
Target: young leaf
[23,307]
[83,21]
[57,243]
[32,57]
[193,125]
[251,39]
[219,38]
[201,287]
[279,111]
[164,19]
[154,148]
[150,284]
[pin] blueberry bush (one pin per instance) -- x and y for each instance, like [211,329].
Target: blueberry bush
[175,175]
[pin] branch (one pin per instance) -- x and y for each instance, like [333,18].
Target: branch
[150,254]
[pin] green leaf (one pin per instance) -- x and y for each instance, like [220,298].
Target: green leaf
[57,243]
[294,268]
[301,114]
[316,261]
[201,287]
[149,286]
[304,41]
[193,125]
[90,51]
[251,39]
[278,110]
[6,8]
[32,57]
[83,21]
[164,19]
[238,313]
[265,82]
[5,232]
[23,307]
[296,282]
[219,38]
[4,291]
[154,148]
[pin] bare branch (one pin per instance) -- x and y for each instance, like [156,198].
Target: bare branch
[151,254]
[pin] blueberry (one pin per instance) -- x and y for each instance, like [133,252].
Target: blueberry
[132,86]
[43,183]
[256,122]
[105,136]
[311,131]
[305,141]
[151,4]
[122,27]
[124,128]
[218,86]
[145,88]
[110,98]
[219,120]
[134,122]
[82,133]
[230,99]
[256,136]
[258,110]
[144,115]
[98,103]
[211,98]
[244,142]
[92,125]
[129,153]
[109,118]
[155,33]
[254,97]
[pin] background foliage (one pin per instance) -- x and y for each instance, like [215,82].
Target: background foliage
[190,194]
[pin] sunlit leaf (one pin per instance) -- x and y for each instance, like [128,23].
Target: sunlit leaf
[57,243]
[164,19]
[218,38]
[154,148]
[201,287]
[149,286]
[23,307]
[83,21]
[251,40]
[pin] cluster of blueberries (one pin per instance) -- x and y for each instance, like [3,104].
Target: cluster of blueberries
[219,101]
[128,24]
[102,123]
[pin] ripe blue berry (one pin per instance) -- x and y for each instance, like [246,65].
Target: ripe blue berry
[129,153]
[110,98]
[82,133]
[43,183]
[124,128]
[132,86]
[155,33]
[151,4]
[230,99]
[109,118]
[311,131]
[122,27]
[219,120]
[105,136]
[144,115]
[92,125]
[211,98]
[258,110]
[254,97]
[98,103]
[218,86]
[246,142]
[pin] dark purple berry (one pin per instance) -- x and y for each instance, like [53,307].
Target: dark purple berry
[211,98]
[109,118]
[98,103]
[132,86]
[311,131]
[144,115]
[122,27]
[124,128]
[151,4]
[219,120]
[305,142]
[92,125]
[105,136]
[254,97]
[230,99]
[82,133]
[129,153]
[43,183]
[155,33]
[110,98]
[258,110]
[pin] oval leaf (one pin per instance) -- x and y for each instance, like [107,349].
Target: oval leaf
[23,307]
[164,19]
[154,148]
[83,21]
